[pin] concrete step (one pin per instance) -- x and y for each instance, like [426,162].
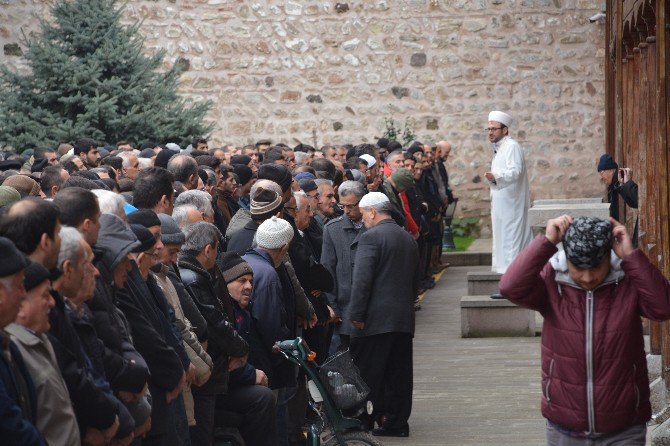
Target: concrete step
[467,258]
[483,317]
[483,283]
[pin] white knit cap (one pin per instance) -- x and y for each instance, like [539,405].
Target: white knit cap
[501,117]
[373,199]
[274,233]
[173,146]
[369,159]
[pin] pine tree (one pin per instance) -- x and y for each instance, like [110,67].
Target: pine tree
[90,78]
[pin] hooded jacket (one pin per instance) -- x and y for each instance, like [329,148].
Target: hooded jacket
[594,369]
[115,241]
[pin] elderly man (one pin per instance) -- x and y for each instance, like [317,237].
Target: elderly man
[55,417]
[17,402]
[130,165]
[326,203]
[592,295]
[381,310]
[35,225]
[273,307]
[226,348]
[510,195]
[248,392]
[340,240]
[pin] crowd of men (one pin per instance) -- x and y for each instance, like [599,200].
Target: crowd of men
[142,289]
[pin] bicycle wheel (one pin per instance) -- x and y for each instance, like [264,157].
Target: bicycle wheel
[356,438]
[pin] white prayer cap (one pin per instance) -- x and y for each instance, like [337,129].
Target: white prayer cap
[372,199]
[274,233]
[173,146]
[369,159]
[501,117]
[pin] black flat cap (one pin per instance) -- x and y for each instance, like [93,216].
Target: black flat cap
[144,217]
[12,260]
[145,237]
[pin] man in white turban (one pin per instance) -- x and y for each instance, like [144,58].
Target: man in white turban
[510,196]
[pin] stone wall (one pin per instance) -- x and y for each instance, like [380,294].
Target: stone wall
[328,72]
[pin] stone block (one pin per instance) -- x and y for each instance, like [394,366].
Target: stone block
[483,283]
[483,317]
[539,214]
[658,397]
[470,258]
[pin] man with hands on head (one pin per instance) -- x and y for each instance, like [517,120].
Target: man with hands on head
[592,296]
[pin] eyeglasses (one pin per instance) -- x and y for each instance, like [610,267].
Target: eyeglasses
[492,129]
[347,206]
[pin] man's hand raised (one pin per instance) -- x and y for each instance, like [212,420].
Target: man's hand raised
[556,228]
[621,242]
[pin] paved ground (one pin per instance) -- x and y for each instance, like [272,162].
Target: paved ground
[470,391]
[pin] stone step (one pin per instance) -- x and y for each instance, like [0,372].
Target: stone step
[483,317]
[467,258]
[483,283]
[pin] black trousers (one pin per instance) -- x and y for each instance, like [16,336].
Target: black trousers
[256,405]
[385,363]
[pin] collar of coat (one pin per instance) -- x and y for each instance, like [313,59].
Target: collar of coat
[189,262]
[559,262]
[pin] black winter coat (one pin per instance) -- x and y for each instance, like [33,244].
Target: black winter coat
[223,340]
[155,340]
[92,406]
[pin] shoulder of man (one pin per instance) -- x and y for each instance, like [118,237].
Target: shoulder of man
[334,221]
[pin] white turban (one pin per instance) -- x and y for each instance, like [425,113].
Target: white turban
[274,233]
[373,199]
[369,159]
[501,117]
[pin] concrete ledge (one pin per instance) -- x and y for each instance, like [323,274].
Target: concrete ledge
[483,317]
[483,283]
[467,258]
[560,201]
[539,214]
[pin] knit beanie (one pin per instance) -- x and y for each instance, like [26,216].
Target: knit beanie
[8,195]
[587,241]
[274,233]
[24,184]
[234,266]
[277,173]
[144,217]
[403,179]
[170,232]
[264,201]
[372,199]
[606,163]
[243,172]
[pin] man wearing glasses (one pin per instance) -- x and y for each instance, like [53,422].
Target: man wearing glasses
[510,195]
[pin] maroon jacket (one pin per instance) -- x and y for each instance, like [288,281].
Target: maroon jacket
[594,368]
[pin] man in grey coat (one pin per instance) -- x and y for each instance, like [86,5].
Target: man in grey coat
[385,283]
[340,238]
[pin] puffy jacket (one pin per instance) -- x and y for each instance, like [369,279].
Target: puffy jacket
[594,369]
